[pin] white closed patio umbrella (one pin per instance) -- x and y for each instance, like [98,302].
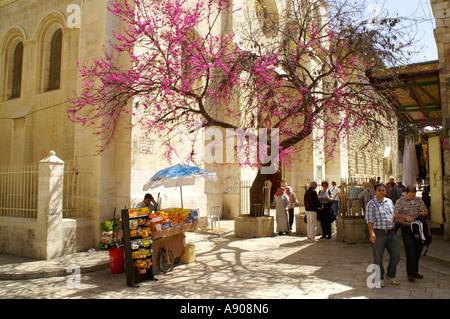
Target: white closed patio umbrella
[409,162]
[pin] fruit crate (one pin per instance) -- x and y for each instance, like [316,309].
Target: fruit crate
[180,228]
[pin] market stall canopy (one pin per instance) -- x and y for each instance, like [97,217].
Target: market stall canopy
[179,175]
[414,91]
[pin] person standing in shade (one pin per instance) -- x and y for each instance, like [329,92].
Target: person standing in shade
[400,188]
[336,198]
[312,206]
[282,205]
[380,220]
[354,197]
[326,200]
[426,196]
[366,195]
[407,209]
[292,202]
[392,193]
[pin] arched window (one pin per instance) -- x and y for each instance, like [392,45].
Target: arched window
[267,14]
[17,60]
[11,63]
[54,71]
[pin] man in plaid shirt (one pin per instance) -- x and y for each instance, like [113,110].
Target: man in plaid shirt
[380,220]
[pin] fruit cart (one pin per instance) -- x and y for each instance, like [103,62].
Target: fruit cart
[154,242]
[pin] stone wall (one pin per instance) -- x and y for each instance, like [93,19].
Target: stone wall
[18,237]
[380,158]
[254,227]
[36,121]
[352,231]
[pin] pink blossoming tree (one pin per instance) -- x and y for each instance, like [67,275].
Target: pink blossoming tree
[190,66]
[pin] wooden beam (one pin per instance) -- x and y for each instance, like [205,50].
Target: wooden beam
[426,92]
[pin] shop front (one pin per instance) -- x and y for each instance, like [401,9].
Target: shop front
[414,91]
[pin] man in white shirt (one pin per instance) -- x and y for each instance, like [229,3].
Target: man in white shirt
[336,195]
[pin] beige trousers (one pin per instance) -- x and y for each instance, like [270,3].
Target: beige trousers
[311,225]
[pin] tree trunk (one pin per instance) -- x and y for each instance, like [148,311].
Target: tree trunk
[257,194]
[257,189]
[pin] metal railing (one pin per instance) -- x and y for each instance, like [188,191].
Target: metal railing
[262,209]
[19,191]
[75,194]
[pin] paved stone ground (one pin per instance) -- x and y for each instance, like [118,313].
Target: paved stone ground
[226,267]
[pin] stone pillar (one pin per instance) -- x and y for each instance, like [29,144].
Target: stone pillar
[50,206]
[441,12]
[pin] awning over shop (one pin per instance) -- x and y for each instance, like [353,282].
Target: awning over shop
[414,92]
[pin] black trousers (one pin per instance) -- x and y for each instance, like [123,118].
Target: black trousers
[413,250]
[325,221]
[291,217]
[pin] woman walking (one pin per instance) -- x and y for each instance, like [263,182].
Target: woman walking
[407,210]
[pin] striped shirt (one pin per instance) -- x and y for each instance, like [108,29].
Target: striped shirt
[408,207]
[381,214]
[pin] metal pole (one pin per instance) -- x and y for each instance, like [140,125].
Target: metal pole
[181,191]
